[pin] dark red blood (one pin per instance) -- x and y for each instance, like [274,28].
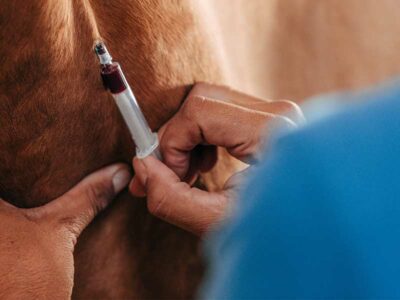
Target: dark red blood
[112,78]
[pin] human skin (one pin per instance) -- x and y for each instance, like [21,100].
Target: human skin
[213,116]
[37,244]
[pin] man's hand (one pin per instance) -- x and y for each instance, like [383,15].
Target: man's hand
[36,245]
[211,116]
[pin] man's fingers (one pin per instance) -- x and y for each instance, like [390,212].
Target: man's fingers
[77,208]
[223,93]
[176,202]
[206,121]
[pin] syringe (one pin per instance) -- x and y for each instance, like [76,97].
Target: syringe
[114,80]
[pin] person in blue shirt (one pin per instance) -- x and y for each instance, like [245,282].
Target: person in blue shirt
[318,217]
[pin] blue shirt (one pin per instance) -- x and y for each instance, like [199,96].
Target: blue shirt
[320,216]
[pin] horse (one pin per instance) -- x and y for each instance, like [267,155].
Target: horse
[58,124]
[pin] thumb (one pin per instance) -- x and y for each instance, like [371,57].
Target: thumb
[77,208]
[176,202]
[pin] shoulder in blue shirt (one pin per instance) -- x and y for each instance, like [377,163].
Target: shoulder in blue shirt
[320,217]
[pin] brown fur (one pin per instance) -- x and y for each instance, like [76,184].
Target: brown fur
[57,124]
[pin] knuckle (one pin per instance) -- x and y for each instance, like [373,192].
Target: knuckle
[35,215]
[288,104]
[292,108]
[195,107]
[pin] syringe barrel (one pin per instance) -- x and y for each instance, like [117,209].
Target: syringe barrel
[146,141]
[114,80]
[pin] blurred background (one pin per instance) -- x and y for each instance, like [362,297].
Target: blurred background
[298,48]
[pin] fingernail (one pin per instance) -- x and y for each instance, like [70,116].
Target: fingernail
[121,179]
